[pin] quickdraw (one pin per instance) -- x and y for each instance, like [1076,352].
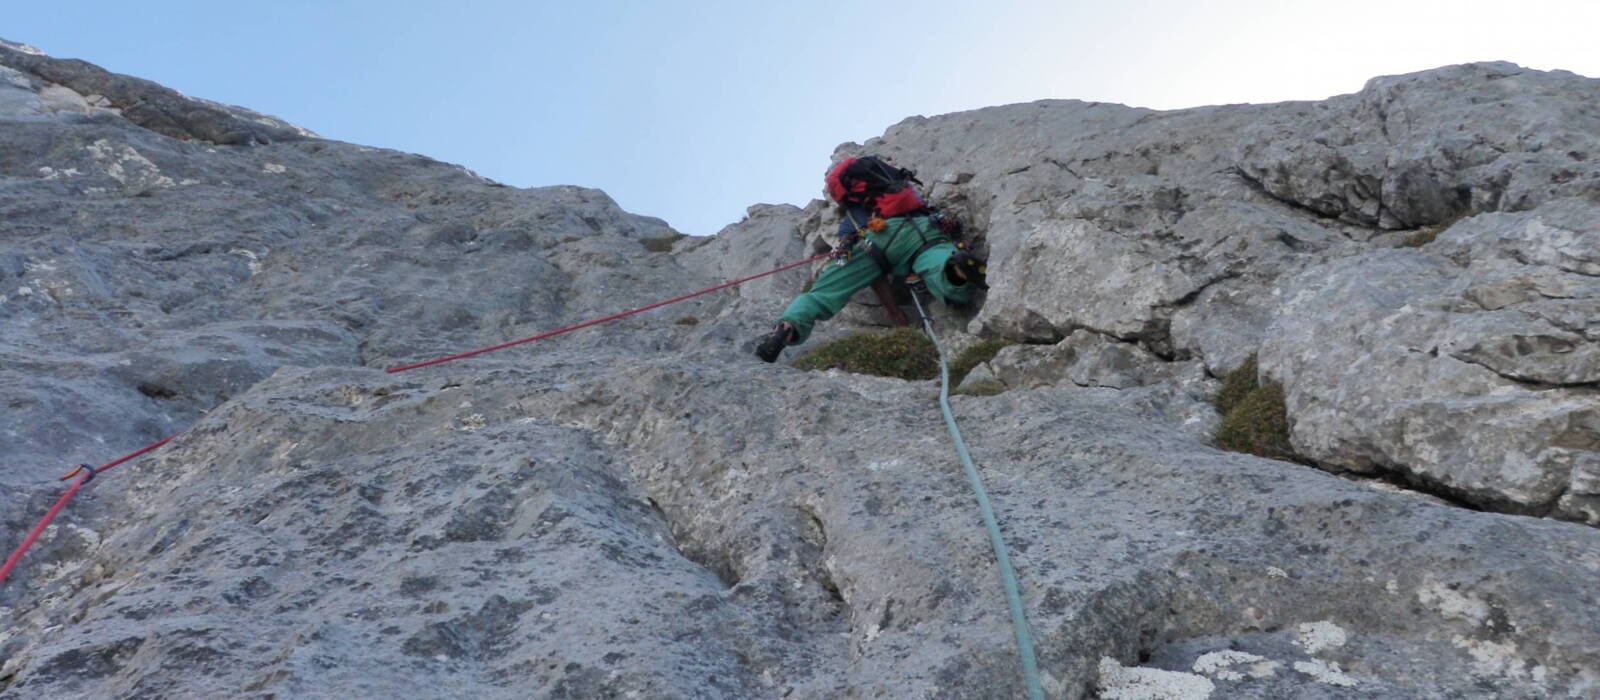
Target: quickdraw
[76,470]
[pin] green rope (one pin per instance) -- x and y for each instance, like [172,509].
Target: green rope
[1008,576]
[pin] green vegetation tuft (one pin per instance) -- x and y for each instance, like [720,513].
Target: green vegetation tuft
[1254,418]
[974,356]
[900,352]
[985,387]
[687,321]
[1258,425]
[1237,385]
[661,244]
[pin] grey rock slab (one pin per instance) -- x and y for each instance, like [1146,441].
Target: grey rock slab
[982,374]
[1425,148]
[1389,365]
[1179,392]
[768,237]
[1032,444]
[708,531]
[1227,322]
[641,508]
[1184,232]
[153,106]
[1083,358]
[1061,264]
[512,582]
[165,242]
[209,364]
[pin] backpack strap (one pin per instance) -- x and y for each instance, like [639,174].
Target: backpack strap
[926,246]
[928,242]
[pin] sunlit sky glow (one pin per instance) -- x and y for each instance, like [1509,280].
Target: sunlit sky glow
[693,111]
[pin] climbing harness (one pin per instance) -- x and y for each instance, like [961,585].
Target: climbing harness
[1008,576]
[879,253]
[91,472]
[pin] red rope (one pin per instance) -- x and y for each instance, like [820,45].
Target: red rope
[34,535]
[38,529]
[65,497]
[612,317]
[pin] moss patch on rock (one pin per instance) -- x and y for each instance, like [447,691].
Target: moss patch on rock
[985,387]
[1237,385]
[1254,418]
[661,244]
[974,356]
[900,352]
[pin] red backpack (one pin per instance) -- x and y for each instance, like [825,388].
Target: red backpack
[873,182]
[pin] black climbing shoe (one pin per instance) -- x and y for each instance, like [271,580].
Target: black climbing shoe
[780,337]
[964,267]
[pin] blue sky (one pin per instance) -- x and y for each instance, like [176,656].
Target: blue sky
[693,111]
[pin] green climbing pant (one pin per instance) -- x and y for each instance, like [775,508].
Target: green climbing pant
[899,240]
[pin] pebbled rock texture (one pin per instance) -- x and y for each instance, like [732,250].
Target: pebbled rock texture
[640,509]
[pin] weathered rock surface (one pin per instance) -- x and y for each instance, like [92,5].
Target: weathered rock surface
[1084,359]
[68,88]
[1417,150]
[767,238]
[552,526]
[1471,365]
[143,278]
[641,509]
[1215,233]
[1182,390]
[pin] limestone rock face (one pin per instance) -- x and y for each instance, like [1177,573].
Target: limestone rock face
[1215,233]
[1470,364]
[1180,390]
[1422,149]
[768,237]
[1085,359]
[68,88]
[687,528]
[144,278]
[642,509]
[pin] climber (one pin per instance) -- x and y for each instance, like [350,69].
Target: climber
[896,236]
